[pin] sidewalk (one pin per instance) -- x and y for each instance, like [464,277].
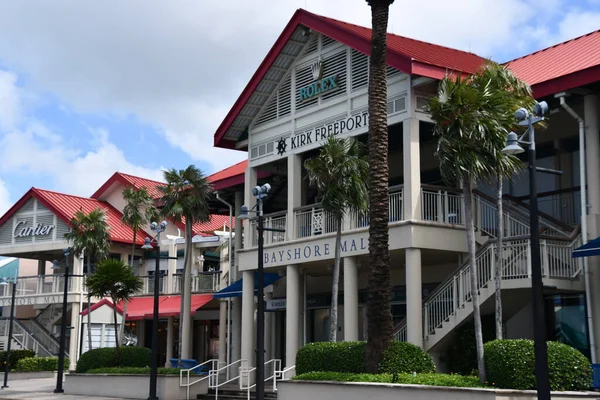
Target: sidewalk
[40,389]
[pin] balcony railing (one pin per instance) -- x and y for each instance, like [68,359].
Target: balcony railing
[204,282]
[44,284]
[275,221]
[442,205]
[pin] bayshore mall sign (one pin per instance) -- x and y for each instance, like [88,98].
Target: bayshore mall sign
[320,133]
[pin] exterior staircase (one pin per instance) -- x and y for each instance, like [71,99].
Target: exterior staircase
[233,392]
[22,338]
[450,304]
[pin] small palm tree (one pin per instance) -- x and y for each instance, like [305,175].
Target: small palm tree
[139,210]
[90,234]
[185,199]
[379,305]
[115,279]
[509,93]
[340,173]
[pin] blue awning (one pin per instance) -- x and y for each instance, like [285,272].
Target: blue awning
[235,289]
[589,249]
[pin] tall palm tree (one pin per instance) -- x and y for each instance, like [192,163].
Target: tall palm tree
[186,199]
[379,311]
[114,278]
[138,211]
[509,93]
[340,173]
[90,234]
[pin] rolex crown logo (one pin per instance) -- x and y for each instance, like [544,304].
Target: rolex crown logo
[317,70]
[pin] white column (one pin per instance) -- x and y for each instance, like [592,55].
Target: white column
[292,314]
[222,331]
[172,268]
[592,161]
[350,299]
[236,312]
[412,170]
[170,340]
[294,192]
[250,180]
[73,341]
[414,313]
[268,329]
[248,316]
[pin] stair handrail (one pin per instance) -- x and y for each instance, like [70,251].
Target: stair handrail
[245,373]
[282,374]
[214,363]
[213,375]
[51,343]
[23,332]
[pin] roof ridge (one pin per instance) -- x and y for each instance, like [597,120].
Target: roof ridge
[140,177]
[35,189]
[396,35]
[552,47]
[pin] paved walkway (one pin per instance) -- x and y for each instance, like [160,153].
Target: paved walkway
[40,389]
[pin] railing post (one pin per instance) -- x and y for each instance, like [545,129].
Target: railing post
[529,259]
[492,262]
[425,320]
[455,294]
[545,258]
[440,206]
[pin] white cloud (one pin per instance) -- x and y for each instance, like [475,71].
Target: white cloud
[30,148]
[9,105]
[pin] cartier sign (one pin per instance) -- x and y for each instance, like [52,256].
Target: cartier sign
[21,230]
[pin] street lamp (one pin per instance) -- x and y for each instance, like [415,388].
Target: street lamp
[260,192]
[4,282]
[525,118]
[158,228]
[63,324]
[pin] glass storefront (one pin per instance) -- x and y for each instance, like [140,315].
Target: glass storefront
[567,321]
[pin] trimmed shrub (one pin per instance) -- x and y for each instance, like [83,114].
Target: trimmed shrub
[403,357]
[36,364]
[350,357]
[105,357]
[15,356]
[409,379]
[511,364]
[133,371]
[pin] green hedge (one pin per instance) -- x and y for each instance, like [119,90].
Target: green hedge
[419,379]
[15,356]
[350,357]
[510,364]
[133,371]
[36,364]
[105,357]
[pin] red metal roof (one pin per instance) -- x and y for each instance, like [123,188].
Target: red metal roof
[65,206]
[407,55]
[130,180]
[561,67]
[216,223]
[168,306]
[100,304]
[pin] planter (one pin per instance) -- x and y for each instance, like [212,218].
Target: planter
[302,390]
[131,386]
[31,375]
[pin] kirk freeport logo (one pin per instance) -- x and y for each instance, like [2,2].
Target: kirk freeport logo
[320,84]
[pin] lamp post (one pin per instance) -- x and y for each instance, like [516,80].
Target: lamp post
[525,118]
[63,323]
[13,282]
[260,192]
[158,228]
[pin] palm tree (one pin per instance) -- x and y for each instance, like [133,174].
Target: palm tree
[379,310]
[510,94]
[185,199]
[340,173]
[114,278]
[89,234]
[138,211]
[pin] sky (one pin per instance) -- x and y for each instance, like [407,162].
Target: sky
[138,86]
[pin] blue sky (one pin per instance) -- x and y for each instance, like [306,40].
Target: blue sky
[137,86]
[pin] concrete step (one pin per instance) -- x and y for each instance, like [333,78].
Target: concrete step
[233,394]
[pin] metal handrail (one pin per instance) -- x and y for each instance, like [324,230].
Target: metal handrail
[283,372]
[245,373]
[213,376]
[187,371]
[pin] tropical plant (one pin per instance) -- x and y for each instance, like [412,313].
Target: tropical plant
[115,279]
[339,173]
[138,211]
[510,93]
[90,234]
[472,118]
[185,198]
[379,309]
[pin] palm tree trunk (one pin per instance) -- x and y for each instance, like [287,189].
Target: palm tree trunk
[467,193]
[333,312]
[499,259]
[122,327]
[89,305]
[117,350]
[186,323]
[186,256]
[379,329]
